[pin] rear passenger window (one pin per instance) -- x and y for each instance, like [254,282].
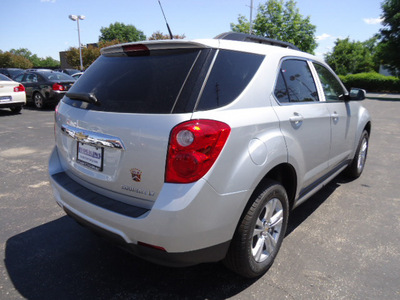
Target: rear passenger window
[295,82]
[231,73]
[281,89]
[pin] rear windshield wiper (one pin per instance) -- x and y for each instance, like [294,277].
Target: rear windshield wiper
[86,97]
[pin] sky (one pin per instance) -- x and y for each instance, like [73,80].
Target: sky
[43,26]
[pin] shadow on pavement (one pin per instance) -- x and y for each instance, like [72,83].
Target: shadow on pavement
[61,260]
[302,212]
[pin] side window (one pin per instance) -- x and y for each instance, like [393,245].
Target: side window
[297,77]
[332,89]
[281,89]
[230,75]
[31,78]
[40,78]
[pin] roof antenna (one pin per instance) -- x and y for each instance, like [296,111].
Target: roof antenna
[169,29]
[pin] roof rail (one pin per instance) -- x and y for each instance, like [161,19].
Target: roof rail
[243,37]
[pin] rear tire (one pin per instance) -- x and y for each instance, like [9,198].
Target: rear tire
[16,109]
[260,232]
[38,100]
[355,169]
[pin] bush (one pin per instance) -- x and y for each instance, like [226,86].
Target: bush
[372,82]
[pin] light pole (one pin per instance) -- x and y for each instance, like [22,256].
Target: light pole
[77,18]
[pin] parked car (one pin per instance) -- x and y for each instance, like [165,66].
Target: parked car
[11,72]
[68,71]
[77,75]
[196,151]
[12,94]
[44,87]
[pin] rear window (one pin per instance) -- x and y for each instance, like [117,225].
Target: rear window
[136,84]
[56,76]
[231,73]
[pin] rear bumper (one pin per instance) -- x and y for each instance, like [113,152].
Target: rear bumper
[187,225]
[182,259]
[18,99]
[12,104]
[54,97]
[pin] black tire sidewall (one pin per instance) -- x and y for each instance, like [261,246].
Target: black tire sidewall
[240,258]
[16,109]
[37,94]
[274,191]
[353,170]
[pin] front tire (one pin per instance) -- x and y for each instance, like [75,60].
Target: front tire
[356,167]
[260,232]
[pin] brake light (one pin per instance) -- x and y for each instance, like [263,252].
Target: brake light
[58,87]
[19,88]
[136,50]
[194,146]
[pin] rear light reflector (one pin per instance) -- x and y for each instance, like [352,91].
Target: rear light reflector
[58,87]
[194,146]
[19,88]
[152,246]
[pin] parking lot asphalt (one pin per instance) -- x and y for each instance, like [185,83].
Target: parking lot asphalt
[343,243]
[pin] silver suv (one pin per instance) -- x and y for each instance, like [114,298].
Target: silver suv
[196,151]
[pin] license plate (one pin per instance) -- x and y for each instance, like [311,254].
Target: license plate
[5,99]
[90,156]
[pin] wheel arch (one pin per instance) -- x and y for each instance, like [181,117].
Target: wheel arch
[368,128]
[285,174]
[38,91]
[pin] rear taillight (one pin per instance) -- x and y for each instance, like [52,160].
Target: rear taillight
[194,146]
[58,87]
[19,88]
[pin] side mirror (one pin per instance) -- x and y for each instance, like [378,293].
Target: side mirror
[356,94]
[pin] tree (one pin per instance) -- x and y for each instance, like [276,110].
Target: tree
[21,62]
[390,44]
[89,54]
[36,61]
[123,33]
[49,62]
[282,21]
[10,60]
[350,57]
[158,35]
[242,26]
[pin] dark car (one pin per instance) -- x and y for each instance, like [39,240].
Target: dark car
[11,72]
[68,71]
[45,87]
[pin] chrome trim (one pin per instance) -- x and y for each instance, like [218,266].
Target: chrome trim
[93,138]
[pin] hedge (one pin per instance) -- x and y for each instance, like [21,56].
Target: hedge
[372,82]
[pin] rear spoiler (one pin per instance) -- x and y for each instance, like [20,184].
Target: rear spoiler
[148,46]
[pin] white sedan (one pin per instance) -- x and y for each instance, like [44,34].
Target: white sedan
[12,94]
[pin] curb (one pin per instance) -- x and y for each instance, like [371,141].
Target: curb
[393,97]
